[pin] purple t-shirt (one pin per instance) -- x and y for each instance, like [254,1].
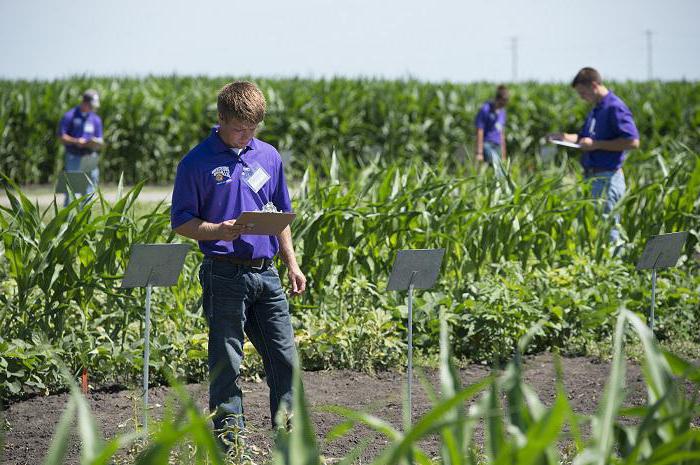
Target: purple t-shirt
[76,124]
[610,119]
[492,121]
[208,186]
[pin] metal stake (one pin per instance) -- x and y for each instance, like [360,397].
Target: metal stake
[146,357]
[410,349]
[653,299]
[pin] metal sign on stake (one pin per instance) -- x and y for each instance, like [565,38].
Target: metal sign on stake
[76,182]
[152,265]
[661,251]
[414,269]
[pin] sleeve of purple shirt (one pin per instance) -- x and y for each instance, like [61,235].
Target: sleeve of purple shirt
[64,125]
[185,205]
[281,195]
[98,127]
[482,118]
[624,123]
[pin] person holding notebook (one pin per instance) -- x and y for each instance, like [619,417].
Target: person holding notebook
[491,130]
[607,135]
[229,172]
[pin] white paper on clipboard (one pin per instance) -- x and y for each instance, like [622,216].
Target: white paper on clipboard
[564,143]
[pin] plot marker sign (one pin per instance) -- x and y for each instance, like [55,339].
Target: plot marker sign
[152,265]
[661,251]
[414,269]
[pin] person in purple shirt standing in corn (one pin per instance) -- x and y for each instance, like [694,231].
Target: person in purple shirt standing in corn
[241,288]
[490,130]
[80,132]
[608,133]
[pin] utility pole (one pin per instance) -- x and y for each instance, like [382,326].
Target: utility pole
[650,74]
[514,58]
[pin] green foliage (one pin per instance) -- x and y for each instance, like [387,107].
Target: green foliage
[522,250]
[518,427]
[150,123]
[382,167]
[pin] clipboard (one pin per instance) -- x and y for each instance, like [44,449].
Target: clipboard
[264,223]
[565,143]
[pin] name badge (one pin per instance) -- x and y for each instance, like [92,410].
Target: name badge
[591,128]
[255,176]
[89,128]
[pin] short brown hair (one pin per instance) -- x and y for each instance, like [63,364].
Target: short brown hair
[502,93]
[586,77]
[241,100]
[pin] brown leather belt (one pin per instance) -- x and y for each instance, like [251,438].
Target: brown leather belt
[596,170]
[257,263]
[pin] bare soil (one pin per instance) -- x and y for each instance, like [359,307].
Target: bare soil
[29,425]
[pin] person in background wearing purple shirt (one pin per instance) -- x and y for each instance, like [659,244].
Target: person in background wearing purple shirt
[607,135]
[490,130]
[80,132]
[241,288]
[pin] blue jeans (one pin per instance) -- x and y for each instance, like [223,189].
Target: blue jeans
[492,156]
[72,163]
[610,186]
[240,300]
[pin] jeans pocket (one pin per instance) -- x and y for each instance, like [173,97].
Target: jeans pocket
[223,271]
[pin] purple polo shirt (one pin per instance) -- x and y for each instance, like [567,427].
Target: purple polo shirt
[208,186]
[610,119]
[492,121]
[75,124]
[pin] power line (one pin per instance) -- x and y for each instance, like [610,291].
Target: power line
[514,58]
[650,73]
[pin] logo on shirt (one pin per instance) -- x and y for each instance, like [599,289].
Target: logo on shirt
[221,174]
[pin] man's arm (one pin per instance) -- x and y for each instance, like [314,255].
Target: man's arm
[70,140]
[201,230]
[614,145]
[480,144]
[95,143]
[296,277]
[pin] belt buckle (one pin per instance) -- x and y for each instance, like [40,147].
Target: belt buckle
[258,268]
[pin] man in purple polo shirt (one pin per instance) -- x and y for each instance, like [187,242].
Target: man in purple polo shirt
[607,135]
[490,130]
[241,288]
[80,132]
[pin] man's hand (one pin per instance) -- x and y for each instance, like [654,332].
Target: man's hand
[480,156]
[587,144]
[297,280]
[229,230]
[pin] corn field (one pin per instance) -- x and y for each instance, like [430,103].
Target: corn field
[151,123]
[519,249]
[375,167]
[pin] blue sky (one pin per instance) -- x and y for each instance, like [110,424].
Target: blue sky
[439,40]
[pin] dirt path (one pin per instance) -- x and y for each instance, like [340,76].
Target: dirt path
[43,194]
[30,424]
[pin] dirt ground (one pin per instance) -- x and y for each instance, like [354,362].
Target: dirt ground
[29,425]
